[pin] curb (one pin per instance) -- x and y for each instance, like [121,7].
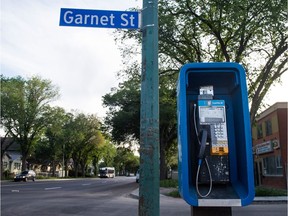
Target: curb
[257,200]
[276,199]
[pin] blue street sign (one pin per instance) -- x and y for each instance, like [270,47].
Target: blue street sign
[99,18]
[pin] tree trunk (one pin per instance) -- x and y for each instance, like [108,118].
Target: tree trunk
[83,170]
[53,168]
[66,168]
[95,162]
[2,167]
[75,170]
[163,166]
[24,165]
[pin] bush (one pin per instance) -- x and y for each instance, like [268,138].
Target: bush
[168,183]
[174,194]
[6,175]
[259,191]
[263,191]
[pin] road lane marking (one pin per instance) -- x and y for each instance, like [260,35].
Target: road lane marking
[86,184]
[53,188]
[17,191]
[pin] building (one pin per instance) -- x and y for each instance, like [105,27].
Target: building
[270,147]
[11,156]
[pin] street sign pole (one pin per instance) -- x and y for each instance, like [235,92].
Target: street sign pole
[149,119]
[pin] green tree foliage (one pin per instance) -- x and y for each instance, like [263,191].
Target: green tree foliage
[124,114]
[24,110]
[108,152]
[50,147]
[252,33]
[82,139]
[124,111]
[168,122]
[105,153]
[47,134]
[125,161]
[249,32]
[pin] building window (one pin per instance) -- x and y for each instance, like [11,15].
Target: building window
[259,131]
[268,127]
[278,162]
[17,166]
[273,165]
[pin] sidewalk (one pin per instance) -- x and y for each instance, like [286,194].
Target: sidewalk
[257,200]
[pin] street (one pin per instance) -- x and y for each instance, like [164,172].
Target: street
[100,197]
[68,197]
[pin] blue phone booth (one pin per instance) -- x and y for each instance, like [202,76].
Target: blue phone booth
[214,135]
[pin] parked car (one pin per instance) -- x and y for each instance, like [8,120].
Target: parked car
[137,176]
[25,176]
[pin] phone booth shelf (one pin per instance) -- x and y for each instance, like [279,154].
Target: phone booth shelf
[229,84]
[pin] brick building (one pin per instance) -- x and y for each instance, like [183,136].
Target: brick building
[270,147]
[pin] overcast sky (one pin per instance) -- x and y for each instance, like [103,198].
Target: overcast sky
[82,62]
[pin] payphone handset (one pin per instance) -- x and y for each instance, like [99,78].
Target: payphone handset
[212,113]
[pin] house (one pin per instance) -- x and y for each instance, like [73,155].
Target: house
[12,160]
[270,147]
[11,156]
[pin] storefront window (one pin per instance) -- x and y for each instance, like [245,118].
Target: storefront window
[272,165]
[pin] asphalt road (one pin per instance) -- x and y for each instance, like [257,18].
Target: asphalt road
[99,197]
[66,197]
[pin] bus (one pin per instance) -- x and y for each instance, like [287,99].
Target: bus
[107,172]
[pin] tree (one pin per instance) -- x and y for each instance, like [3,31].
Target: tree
[125,161]
[249,32]
[24,110]
[124,111]
[168,122]
[124,114]
[105,153]
[82,139]
[50,147]
[68,140]
[90,150]
[109,152]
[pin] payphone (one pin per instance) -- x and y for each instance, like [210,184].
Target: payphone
[215,163]
[210,128]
